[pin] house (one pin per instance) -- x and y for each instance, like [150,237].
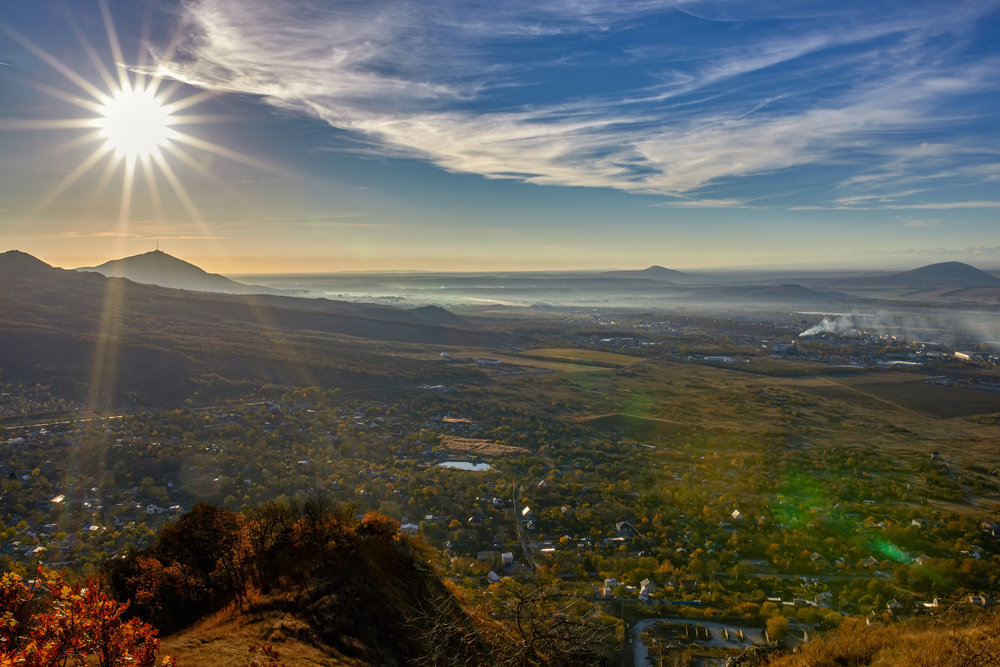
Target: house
[492,577]
[871,561]
[646,588]
[410,529]
[823,599]
[921,559]
[626,530]
[507,558]
[978,600]
[737,515]
[991,527]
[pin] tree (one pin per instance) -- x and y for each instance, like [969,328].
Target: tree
[54,623]
[547,625]
[777,627]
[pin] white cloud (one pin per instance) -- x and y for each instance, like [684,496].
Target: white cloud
[415,79]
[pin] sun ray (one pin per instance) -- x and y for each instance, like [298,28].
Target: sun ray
[104,372]
[72,144]
[133,114]
[209,147]
[181,193]
[166,56]
[102,183]
[47,123]
[126,201]
[177,187]
[70,178]
[95,59]
[56,64]
[165,92]
[189,101]
[149,177]
[140,69]
[116,48]
[200,119]
[82,102]
[182,155]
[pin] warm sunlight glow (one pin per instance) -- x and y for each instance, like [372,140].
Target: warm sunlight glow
[135,123]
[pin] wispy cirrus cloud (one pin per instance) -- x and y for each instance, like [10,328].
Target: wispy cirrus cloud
[862,102]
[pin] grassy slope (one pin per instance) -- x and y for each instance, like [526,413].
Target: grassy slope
[947,641]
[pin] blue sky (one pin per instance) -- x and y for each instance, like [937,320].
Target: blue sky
[572,134]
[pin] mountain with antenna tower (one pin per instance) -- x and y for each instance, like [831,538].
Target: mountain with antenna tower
[159,268]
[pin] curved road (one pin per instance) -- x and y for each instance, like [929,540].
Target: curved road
[640,654]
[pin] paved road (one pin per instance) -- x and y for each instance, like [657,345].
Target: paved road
[640,654]
[521,531]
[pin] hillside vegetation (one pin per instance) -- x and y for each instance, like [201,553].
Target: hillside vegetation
[327,588]
[110,344]
[950,640]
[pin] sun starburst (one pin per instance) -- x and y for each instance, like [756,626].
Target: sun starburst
[135,123]
[131,114]
[131,119]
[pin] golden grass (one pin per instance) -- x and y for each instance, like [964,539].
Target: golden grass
[224,639]
[949,641]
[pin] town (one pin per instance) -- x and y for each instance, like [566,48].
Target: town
[701,471]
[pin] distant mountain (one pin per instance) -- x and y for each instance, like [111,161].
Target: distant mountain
[439,315]
[14,262]
[768,295]
[158,268]
[167,344]
[944,274]
[657,273]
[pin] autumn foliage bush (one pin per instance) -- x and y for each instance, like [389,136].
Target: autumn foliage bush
[212,557]
[52,622]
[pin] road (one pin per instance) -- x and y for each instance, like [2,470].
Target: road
[640,654]
[521,532]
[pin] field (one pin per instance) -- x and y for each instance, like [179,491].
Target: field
[630,426]
[478,446]
[909,393]
[595,357]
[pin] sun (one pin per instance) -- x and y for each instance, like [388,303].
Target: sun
[132,113]
[135,124]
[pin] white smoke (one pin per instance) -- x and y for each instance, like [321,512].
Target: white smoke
[842,323]
[948,327]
